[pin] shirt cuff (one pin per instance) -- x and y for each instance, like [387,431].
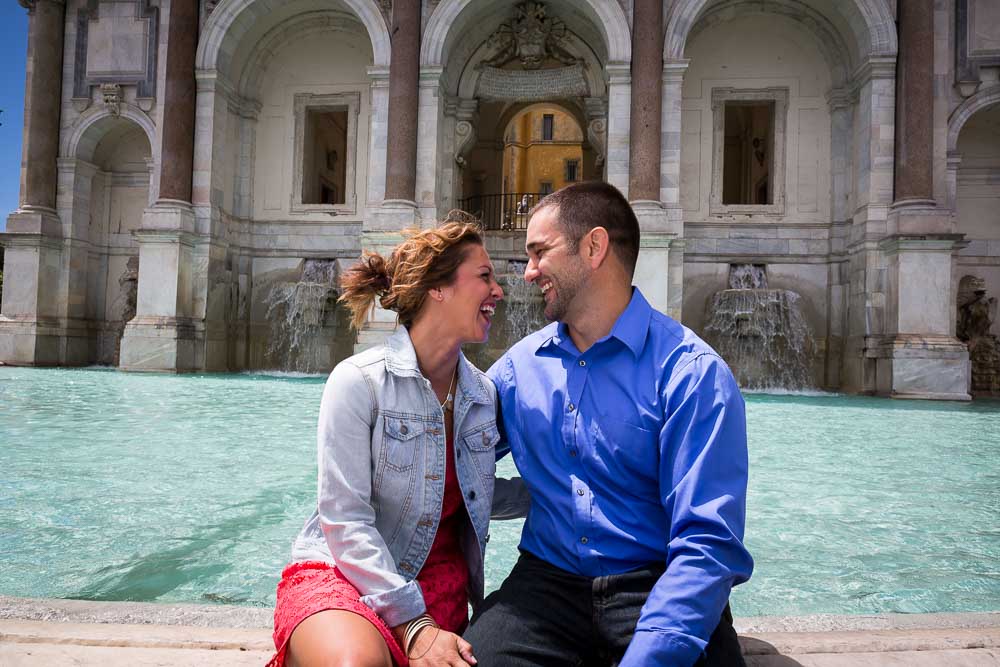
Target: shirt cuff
[649,647]
[398,605]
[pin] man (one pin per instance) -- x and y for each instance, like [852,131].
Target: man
[630,434]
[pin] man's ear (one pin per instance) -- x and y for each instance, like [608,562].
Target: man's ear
[597,246]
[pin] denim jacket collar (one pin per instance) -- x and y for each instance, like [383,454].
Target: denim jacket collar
[401,360]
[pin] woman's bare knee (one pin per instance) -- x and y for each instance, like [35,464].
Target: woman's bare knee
[337,639]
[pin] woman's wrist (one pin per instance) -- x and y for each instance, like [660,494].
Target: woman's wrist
[406,634]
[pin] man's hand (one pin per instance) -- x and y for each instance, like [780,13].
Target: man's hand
[434,647]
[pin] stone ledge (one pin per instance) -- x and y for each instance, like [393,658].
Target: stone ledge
[141,633]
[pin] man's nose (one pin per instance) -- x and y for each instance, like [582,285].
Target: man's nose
[530,272]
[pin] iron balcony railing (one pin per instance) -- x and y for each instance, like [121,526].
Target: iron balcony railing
[503,212]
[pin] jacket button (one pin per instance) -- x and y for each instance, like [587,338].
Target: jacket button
[458,454]
[487,538]
[486,438]
[472,495]
[403,429]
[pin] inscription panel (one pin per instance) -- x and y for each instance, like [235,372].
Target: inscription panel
[117,42]
[530,85]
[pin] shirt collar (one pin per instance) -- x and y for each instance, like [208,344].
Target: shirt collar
[630,328]
[401,360]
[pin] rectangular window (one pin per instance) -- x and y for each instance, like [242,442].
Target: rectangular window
[747,155]
[545,188]
[323,172]
[326,130]
[548,125]
[748,152]
[572,170]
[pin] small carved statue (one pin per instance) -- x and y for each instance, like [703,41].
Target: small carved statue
[976,311]
[532,37]
[976,315]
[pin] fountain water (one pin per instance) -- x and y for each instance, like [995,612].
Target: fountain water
[760,332]
[524,311]
[518,314]
[297,313]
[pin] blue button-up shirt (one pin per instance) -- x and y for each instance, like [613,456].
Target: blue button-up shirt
[634,452]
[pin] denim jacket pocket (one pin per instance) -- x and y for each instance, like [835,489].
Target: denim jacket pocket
[399,440]
[481,444]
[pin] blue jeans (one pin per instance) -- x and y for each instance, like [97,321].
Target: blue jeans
[543,616]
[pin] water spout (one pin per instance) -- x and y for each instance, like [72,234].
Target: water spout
[297,313]
[760,332]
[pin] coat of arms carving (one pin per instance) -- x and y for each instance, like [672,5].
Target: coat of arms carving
[531,37]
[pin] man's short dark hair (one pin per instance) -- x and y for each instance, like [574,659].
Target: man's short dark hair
[583,206]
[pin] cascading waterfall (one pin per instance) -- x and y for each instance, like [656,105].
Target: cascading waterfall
[296,312]
[524,305]
[760,332]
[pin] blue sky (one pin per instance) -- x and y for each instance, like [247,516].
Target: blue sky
[13,50]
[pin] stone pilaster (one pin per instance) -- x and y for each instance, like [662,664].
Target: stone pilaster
[918,355]
[165,334]
[619,116]
[33,325]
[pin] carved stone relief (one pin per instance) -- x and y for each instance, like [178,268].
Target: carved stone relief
[531,37]
[112,96]
[116,43]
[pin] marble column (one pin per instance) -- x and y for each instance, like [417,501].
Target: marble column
[647,73]
[646,123]
[404,76]
[918,356]
[165,335]
[177,152]
[915,113]
[33,326]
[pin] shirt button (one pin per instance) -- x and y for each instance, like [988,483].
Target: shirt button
[583,540]
[579,492]
[583,363]
[571,407]
[572,452]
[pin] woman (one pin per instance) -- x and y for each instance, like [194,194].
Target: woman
[384,570]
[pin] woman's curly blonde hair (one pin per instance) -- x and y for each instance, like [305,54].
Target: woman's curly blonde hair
[426,259]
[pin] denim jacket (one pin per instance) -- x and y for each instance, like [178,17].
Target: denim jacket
[381,443]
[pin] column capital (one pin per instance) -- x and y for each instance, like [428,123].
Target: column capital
[673,70]
[618,73]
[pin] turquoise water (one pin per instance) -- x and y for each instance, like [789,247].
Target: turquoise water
[119,486]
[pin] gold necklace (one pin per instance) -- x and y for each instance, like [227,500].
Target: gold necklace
[449,400]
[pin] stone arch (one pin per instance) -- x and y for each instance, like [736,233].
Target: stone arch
[232,19]
[983,99]
[298,27]
[568,106]
[94,124]
[609,17]
[829,40]
[879,38]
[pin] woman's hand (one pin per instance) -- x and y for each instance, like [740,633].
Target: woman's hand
[434,647]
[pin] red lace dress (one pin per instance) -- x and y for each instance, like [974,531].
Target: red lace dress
[444,578]
[311,587]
